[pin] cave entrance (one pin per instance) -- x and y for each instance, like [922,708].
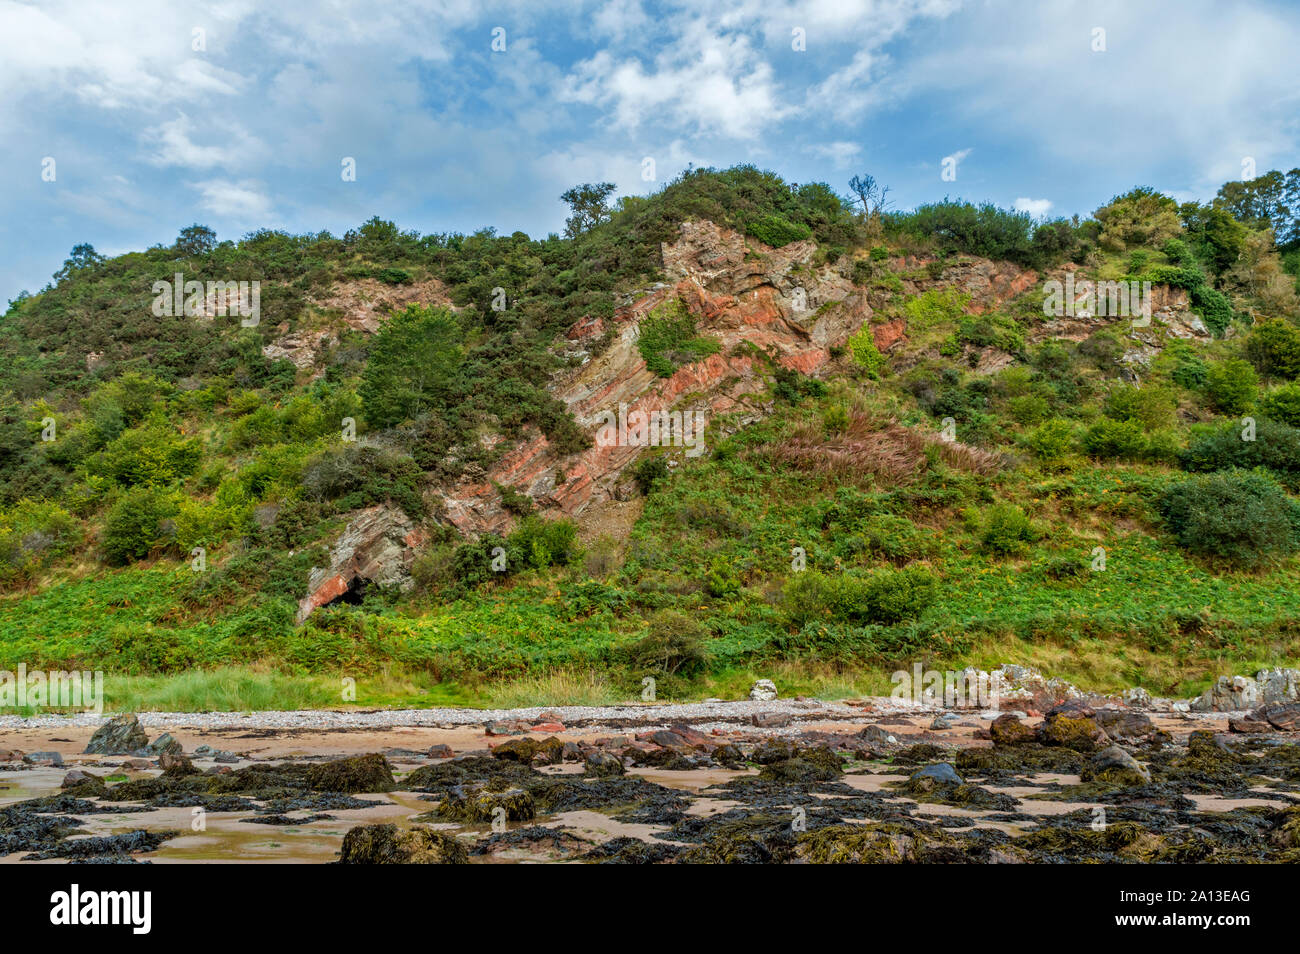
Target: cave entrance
[354,595]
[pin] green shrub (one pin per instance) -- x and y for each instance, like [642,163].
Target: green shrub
[133,527]
[1282,404]
[541,543]
[1276,447]
[672,646]
[1029,409]
[884,597]
[1273,347]
[1004,529]
[32,535]
[865,352]
[1052,442]
[667,339]
[776,231]
[648,471]
[879,253]
[1108,439]
[1242,518]
[1231,386]
[862,271]
[1152,406]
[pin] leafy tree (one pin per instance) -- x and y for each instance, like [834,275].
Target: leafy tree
[82,257]
[196,240]
[1139,217]
[413,365]
[1274,348]
[589,204]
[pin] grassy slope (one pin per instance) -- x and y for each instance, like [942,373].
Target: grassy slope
[712,545]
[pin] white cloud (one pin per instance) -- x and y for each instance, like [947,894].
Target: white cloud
[172,144]
[840,154]
[242,202]
[1035,207]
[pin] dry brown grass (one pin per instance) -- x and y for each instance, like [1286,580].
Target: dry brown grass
[882,449]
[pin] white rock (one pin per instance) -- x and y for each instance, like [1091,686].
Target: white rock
[763,691]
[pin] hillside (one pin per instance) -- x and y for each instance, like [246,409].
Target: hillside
[401,473]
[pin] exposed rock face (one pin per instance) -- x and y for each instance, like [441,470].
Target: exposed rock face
[739,292]
[377,548]
[1239,693]
[121,735]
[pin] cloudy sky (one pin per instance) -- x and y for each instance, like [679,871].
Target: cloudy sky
[240,115]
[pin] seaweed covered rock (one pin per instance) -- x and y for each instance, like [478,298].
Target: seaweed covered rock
[391,845]
[486,805]
[360,773]
[816,764]
[1116,767]
[876,843]
[549,751]
[927,779]
[603,765]
[121,735]
[1127,726]
[83,784]
[1006,730]
[1072,726]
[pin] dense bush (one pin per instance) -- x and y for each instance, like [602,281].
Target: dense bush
[1109,439]
[1004,530]
[1052,442]
[776,231]
[1282,404]
[1241,518]
[884,597]
[133,527]
[666,339]
[1231,386]
[1276,446]
[672,646]
[1274,348]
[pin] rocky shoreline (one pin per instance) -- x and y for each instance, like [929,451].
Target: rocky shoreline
[758,781]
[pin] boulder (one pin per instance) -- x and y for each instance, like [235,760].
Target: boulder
[1283,717]
[483,806]
[390,845]
[360,773]
[82,784]
[764,690]
[1006,730]
[1126,724]
[1278,685]
[1072,725]
[440,751]
[1115,766]
[165,744]
[120,735]
[1228,694]
[526,751]
[603,765]
[939,775]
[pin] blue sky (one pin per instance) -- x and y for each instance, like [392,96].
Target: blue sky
[149,134]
